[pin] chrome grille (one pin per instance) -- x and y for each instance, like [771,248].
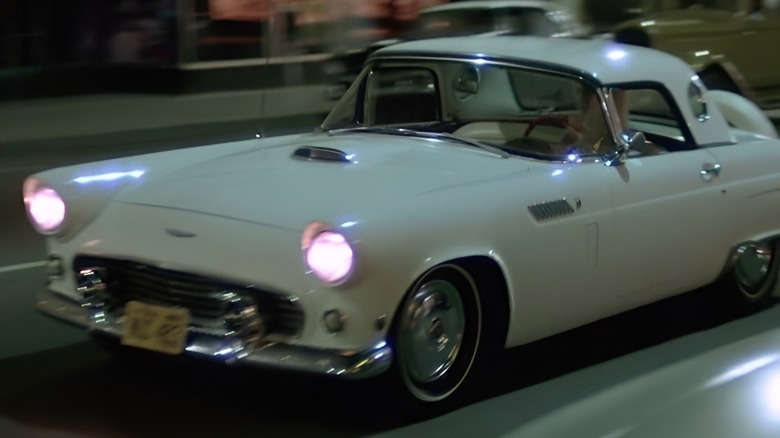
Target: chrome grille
[206,298]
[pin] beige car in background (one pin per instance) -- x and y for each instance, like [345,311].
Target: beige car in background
[732,45]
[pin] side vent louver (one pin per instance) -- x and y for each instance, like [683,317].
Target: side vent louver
[315,153]
[551,210]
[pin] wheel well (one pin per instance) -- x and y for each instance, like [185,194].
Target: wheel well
[494,296]
[493,291]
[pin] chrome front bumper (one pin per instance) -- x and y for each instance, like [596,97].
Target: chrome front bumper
[274,355]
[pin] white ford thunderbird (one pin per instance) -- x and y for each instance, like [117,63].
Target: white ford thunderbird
[464,195]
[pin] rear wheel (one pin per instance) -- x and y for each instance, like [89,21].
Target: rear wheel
[437,333]
[750,282]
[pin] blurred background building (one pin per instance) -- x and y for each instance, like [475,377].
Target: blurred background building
[54,47]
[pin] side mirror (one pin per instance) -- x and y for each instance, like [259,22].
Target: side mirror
[627,140]
[633,139]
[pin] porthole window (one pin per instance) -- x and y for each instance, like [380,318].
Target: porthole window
[696,100]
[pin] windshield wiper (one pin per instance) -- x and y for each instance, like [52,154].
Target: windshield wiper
[422,134]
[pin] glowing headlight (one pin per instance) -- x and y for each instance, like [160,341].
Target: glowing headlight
[327,253]
[45,207]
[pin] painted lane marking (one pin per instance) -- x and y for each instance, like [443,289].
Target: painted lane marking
[22,266]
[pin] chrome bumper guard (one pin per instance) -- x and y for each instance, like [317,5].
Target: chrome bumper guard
[344,364]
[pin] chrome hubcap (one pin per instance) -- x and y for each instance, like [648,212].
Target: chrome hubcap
[434,331]
[752,265]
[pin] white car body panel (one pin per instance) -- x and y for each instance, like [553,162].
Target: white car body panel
[601,239]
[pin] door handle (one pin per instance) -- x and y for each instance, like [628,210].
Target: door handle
[709,171]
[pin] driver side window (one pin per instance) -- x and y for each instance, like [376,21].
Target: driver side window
[648,110]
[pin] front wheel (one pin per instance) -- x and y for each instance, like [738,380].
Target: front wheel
[437,333]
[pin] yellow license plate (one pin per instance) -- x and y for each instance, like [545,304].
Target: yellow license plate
[157,328]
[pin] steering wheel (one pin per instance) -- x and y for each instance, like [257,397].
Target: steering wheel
[532,145]
[557,120]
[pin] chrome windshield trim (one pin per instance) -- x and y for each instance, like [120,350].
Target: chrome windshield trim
[421,134]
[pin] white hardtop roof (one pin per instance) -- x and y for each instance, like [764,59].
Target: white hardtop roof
[492,4]
[602,61]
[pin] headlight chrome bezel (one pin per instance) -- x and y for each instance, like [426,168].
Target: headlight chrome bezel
[327,253]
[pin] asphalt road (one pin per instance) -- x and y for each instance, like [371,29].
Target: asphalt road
[83,390]
[55,382]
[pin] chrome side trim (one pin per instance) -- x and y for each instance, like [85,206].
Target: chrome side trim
[349,365]
[546,211]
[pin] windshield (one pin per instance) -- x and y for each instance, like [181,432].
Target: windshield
[520,110]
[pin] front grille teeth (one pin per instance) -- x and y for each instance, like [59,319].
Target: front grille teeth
[213,304]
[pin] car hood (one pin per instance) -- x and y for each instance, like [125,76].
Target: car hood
[289,182]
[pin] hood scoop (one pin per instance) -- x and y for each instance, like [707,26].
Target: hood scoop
[318,153]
